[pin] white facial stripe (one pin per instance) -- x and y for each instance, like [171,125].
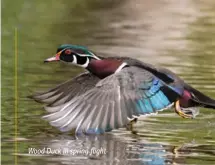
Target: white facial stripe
[120,67]
[96,57]
[74,59]
[87,55]
[86,64]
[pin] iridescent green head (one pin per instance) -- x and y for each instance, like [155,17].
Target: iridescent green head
[74,54]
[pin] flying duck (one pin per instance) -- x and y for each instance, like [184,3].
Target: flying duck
[114,92]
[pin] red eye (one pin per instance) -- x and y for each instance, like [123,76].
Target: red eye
[68,51]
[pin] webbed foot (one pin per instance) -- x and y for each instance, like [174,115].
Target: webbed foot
[180,112]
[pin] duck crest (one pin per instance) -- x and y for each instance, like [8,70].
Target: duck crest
[105,67]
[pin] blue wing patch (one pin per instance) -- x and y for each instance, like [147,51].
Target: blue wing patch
[154,97]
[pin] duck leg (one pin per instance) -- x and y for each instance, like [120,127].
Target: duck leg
[180,111]
[130,127]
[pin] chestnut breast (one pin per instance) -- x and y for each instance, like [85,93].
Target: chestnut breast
[104,68]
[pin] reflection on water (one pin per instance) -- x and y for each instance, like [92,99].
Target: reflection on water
[103,149]
[178,35]
[114,148]
[109,150]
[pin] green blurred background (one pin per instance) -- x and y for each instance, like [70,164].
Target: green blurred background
[179,35]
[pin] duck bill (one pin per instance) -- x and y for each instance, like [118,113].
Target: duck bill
[52,59]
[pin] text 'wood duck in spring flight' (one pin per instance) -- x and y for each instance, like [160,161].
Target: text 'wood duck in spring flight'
[114,92]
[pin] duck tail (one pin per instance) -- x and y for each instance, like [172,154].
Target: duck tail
[200,98]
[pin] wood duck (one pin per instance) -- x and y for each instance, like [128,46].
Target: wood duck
[114,92]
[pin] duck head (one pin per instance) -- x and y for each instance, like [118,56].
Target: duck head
[81,56]
[73,54]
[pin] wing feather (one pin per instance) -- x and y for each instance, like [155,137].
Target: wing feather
[73,87]
[110,103]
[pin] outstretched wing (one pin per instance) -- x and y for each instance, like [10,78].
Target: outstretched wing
[129,93]
[67,90]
